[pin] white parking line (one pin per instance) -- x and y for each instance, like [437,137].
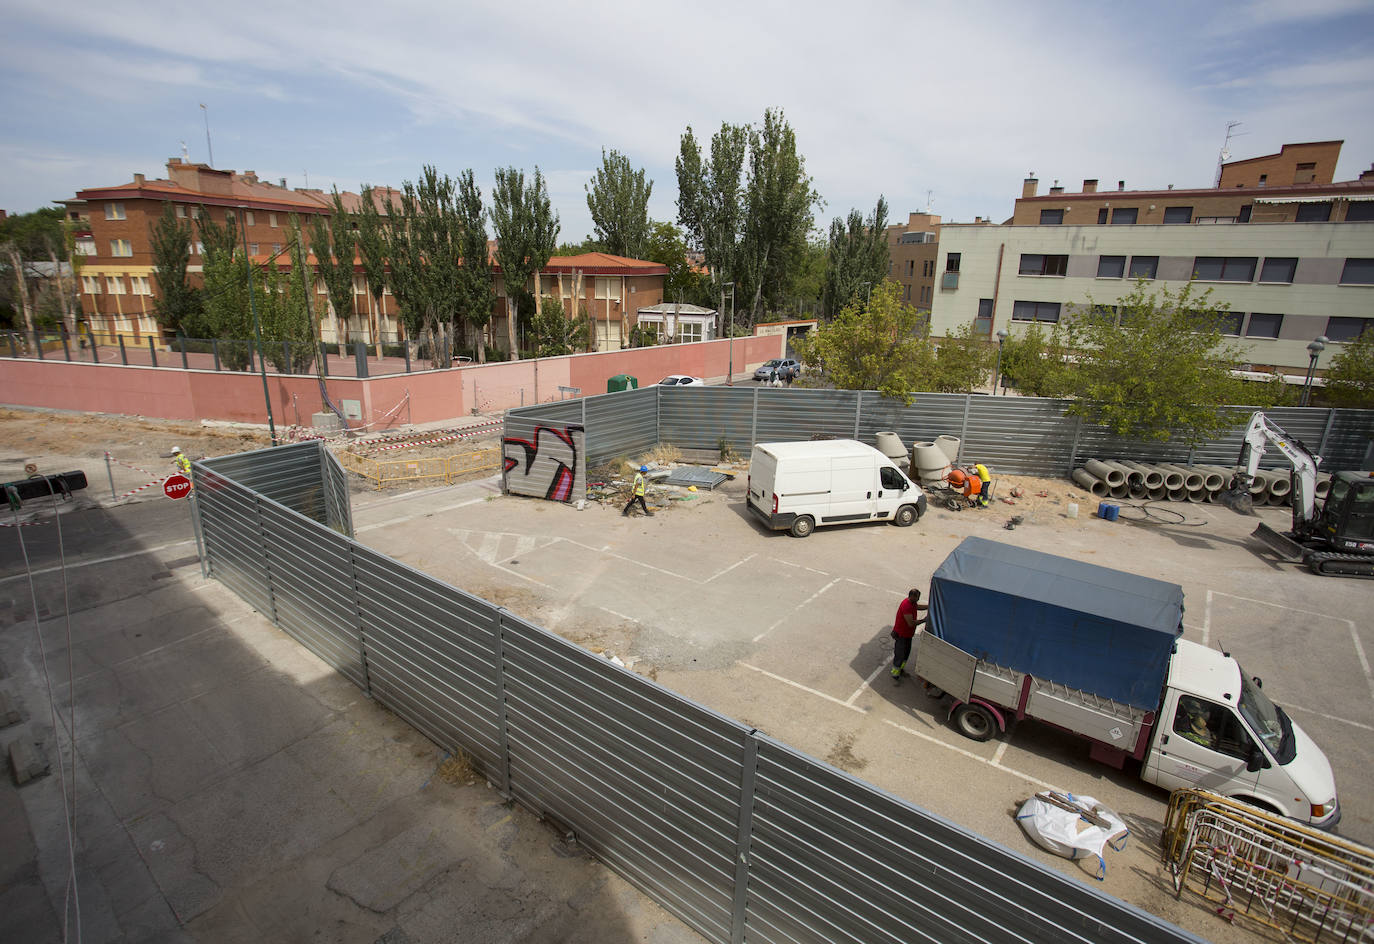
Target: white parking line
[867,684]
[428,513]
[1207,618]
[800,606]
[993,763]
[73,564]
[722,573]
[809,691]
[1321,714]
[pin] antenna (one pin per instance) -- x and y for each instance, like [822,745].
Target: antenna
[1225,154]
[929,193]
[185,154]
[208,146]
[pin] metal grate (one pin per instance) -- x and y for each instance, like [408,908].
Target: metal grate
[699,476]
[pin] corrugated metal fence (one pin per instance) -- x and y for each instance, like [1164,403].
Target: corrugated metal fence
[1022,435]
[740,836]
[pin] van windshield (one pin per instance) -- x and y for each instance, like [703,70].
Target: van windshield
[1267,720]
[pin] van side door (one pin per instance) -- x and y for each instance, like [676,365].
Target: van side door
[892,486]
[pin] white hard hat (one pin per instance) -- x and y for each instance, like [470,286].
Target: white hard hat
[176,449]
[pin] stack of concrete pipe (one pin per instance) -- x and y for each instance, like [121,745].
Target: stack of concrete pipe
[1167,481]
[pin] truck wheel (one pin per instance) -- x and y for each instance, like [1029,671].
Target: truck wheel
[906,516]
[975,722]
[802,526]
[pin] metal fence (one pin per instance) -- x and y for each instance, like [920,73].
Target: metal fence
[743,838]
[1020,435]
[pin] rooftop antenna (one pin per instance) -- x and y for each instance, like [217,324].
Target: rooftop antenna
[929,194]
[1225,154]
[185,154]
[208,147]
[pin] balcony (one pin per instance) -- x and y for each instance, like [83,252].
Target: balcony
[950,281]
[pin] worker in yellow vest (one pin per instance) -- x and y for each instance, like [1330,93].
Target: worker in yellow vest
[182,463]
[985,478]
[638,495]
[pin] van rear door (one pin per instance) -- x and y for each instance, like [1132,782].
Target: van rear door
[763,471]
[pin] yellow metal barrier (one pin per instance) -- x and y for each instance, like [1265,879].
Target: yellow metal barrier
[436,469]
[1310,885]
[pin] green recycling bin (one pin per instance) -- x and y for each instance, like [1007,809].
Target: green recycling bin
[622,382]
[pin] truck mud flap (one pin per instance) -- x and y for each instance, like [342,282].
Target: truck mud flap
[1280,544]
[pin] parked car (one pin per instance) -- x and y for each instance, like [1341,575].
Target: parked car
[788,368]
[682,380]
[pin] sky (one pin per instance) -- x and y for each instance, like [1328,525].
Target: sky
[939,105]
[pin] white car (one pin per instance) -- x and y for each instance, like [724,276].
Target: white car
[681,380]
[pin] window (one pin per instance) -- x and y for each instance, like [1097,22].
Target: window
[321,288]
[952,262]
[1035,311]
[1263,325]
[141,285]
[608,289]
[1314,212]
[114,211]
[1264,179]
[1358,272]
[687,332]
[1278,269]
[1036,264]
[1213,726]
[1244,215]
[85,246]
[1102,215]
[90,284]
[1305,173]
[890,478]
[121,247]
[229,216]
[1224,268]
[1051,217]
[252,249]
[1360,211]
[1111,267]
[983,323]
[247,217]
[181,211]
[1143,267]
[906,294]
[114,284]
[1108,313]
[910,267]
[359,285]
[1230,322]
[1124,216]
[1347,329]
[276,249]
[1178,214]
[272,220]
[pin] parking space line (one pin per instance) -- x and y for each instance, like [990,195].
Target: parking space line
[1322,714]
[799,606]
[722,573]
[73,564]
[867,683]
[428,513]
[607,609]
[810,691]
[1207,617]
[972,756]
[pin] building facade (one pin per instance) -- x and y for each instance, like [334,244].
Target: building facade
[911,250]
[1292,260]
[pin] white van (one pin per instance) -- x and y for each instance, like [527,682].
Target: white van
[798,486]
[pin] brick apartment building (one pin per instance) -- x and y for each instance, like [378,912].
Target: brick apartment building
[118,285]
[1291,251]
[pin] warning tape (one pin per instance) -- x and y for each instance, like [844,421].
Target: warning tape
[142,487]
[377,445]
[128,465]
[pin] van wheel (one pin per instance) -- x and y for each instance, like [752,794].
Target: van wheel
[975,722]
[802,526]
[906,516]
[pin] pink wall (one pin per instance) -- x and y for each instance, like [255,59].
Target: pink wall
[387,401]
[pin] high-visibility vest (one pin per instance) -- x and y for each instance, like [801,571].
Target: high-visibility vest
[183,464]
[639,485]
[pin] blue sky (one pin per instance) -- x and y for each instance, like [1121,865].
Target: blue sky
[960,99]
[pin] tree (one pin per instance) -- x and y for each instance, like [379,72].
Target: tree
[880,346]
[178,307]
[857,256]
[590,244]
[334,246]
[618,198]
[555,334]
[710,196]
[526,233]
[806,281]
[1155,365]
[1037,363]
[963,361]
[370,237]
[1350,376]
[475,294]
[283,309]
[425,249]
[684,283]
[28,238]
[226,305]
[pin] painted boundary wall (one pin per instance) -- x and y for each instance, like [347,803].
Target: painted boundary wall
[385,401]
[740,836]
[1020,435]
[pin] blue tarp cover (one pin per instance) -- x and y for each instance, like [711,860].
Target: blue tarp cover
[1093,628]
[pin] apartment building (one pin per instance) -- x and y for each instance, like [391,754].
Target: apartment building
[118,285]
[911,250]
[1289,249]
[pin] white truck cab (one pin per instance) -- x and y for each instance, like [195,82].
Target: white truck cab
[1216,729]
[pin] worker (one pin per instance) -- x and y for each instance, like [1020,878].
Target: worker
[182,463]
[910,614]
[638,495]
[967,482]
[985,483]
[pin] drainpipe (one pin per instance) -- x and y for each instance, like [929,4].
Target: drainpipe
[996,287]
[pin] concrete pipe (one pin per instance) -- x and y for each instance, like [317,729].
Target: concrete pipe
[1091,482]
[1139,492]
[1153,478]
[1192,478]
[1111,476]
[1120,491]
[1323,487]
[1259,485]
[1197,495]
[1213,495]
[1212,480]
[1178,494]
[949,445]
[1279,485]
[1225,475]
[929,461]
[890,445]
[1173,479]
[1158,493]
[1133,477]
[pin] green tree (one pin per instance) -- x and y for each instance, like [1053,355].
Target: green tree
[177,308]
[683,283]
[857,256]
[963,361]
[475,294]
[710,197]
[27,238]
[880,346]
[806,282]
[226,310]
[1155,365]
[283,309]
[1350,376]
[334,245]
[590,244]
[425,249]
[371,239]
[526,233]
[618,198]
[556,334]
[1037,363]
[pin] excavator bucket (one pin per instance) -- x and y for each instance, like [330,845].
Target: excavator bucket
[1238,499]
[1280,544]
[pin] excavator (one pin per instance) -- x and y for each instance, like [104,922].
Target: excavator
[1335,539]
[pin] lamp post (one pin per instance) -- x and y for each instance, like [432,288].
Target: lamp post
[997,371]
[730,377]
[1314,348]
[868,293]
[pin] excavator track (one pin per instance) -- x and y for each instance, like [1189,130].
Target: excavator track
[1331,564]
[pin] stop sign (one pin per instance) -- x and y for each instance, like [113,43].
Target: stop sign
[177,486]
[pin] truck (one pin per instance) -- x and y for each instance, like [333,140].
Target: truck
[800,486]
[1333,538]
[1015,634]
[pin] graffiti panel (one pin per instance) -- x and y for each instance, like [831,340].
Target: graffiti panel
[553,465]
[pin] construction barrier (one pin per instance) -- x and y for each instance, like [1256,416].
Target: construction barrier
[437,470]
[1307,884]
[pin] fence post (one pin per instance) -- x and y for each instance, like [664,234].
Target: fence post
[123,354]
[181,343]
[963,426]
[152,350]
[503,730]
[14,344]
[858,410]
[405,346]
[1073,449]
[744,836]
[38,343]
[358,614]
[95,355]
[62,331]
[286,355]
[754,417]
[360,357]
[252,368]
[266,558]
[214,349]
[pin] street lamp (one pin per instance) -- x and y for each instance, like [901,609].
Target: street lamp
[1002,335]
[730,378]
[1314,348]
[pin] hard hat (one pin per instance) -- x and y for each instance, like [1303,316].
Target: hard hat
[644,468]
[176,450]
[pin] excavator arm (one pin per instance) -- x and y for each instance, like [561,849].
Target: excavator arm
[1260,434]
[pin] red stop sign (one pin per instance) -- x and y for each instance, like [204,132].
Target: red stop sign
[177,486]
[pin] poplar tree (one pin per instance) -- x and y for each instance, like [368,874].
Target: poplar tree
[177,307]
[618,198]
[475,293]
[334,245]
[526,235]
[370,237]
[857,255]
